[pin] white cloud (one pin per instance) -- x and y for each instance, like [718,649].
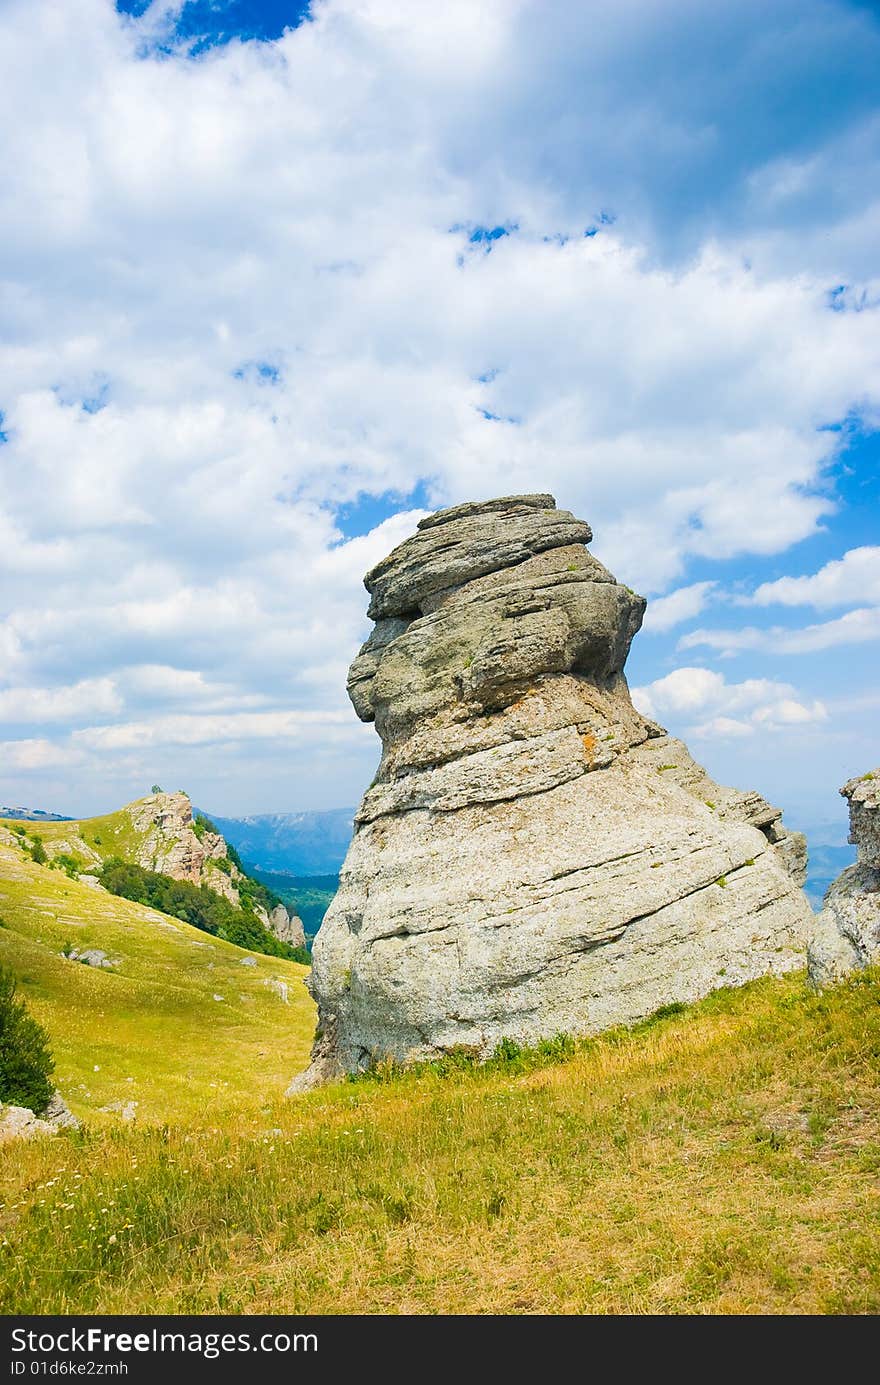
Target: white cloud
[37,753]
[856,627]
[763,704]
[853,579]
[664,612]
[212,729]
[90,697]
[169,224]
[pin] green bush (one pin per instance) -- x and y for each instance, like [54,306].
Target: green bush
[69,864]
[38,852]
[26,1064]
[203,824]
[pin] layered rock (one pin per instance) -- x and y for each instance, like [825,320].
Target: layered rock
[533,856]
[287,927]
[846,935]
[171,843]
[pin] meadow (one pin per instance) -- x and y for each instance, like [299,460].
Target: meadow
[720,1159]
[180,1021]
[717,1158]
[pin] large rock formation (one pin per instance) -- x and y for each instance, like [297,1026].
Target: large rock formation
[846,935]
[287,927]
[171,842]
[533,856]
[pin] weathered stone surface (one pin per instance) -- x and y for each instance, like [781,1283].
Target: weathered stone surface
[173,847]
[466,542]
[59,1114]
[18,1123]
[534,856]
[93,957]
[287,927]
[846,935]
[863,796]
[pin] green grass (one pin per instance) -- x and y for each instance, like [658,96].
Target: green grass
[113,834]
[150,1031]
[717,1158]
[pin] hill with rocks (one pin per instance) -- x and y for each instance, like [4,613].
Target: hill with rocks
[534,855]
[159,834]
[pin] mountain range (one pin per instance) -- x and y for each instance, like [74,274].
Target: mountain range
[307,843]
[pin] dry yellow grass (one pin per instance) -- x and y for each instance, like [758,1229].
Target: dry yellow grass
[720,1160]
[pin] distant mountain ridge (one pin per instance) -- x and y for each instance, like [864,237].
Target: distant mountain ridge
[32,815]
[306,843]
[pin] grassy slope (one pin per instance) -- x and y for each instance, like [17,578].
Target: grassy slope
[723,1159]
[152,1027]
[114,834]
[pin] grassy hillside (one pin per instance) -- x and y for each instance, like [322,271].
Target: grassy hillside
[721,1159]
[150,1030]
[113,834]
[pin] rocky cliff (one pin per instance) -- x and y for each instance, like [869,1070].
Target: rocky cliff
[160,833]
[170,842]
[846,935]
[533,856]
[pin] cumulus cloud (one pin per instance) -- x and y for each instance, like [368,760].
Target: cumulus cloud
[249,294]
[856,627]
[684,603]
[851,580]
[90,697]
[762,704]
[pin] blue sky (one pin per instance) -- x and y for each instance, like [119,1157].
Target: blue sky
[277,280]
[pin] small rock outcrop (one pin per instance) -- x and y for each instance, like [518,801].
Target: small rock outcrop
[20,1123]
[288,927]
[93,957]
[533,856]
[846,935]
[172,843]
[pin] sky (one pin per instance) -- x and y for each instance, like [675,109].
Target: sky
[277,279]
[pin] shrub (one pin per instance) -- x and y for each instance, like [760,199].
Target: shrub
[26,1064]
[38,852]
[69,864]
[507,1051]
[203,824]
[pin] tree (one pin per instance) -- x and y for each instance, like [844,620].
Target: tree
[26,1064]
[38,852]
[156,788]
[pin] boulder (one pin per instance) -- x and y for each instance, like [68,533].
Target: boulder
[59,1114]
[533,856]
[93,957]
[20,1123]
[846,935]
